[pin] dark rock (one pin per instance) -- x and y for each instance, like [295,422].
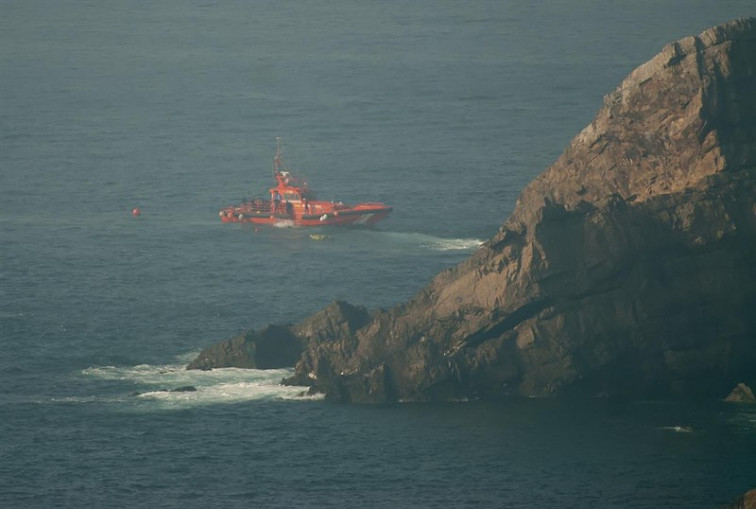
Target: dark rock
[741,394]
[745,501]
[626,269]
[338,322]
[281,346]
[339,319]
[186,388]
[272,347]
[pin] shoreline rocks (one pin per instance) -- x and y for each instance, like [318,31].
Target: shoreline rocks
[745,501]
[741,394]
[279,346]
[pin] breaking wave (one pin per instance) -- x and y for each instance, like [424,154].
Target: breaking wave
[743,420]
[171,386]
[678,429]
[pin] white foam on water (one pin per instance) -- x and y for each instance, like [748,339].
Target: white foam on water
[434,243]
[744,420]
[678,429]
[454,244]
[225,393]
[284,223]
[172,386]
[177,374]
[71,399]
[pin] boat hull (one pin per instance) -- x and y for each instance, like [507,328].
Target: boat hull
[365,214]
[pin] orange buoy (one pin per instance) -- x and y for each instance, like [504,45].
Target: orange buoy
[136,212]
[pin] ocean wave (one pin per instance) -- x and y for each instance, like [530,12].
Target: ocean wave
[679,429]
[172,386]
[743,420]
[224,393]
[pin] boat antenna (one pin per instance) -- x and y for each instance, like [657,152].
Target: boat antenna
[277,157]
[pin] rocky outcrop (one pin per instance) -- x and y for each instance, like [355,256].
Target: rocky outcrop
[628,267]
[741,394]
[273,347]
[339,319]
[278,346]
[745,501]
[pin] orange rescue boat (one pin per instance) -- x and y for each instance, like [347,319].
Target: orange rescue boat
[293,202]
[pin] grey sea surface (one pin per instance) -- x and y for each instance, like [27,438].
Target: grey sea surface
[443,109]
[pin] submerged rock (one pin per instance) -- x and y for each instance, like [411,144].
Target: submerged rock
[741,394]
[185,388]
[626,268]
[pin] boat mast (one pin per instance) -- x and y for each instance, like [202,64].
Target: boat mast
[277,157]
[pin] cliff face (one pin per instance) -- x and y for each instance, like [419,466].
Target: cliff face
[627,267]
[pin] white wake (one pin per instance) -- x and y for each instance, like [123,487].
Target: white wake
[425,241]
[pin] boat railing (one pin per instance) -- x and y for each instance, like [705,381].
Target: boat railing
[257,207]
[264,208]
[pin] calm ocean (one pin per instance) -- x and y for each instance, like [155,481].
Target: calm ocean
[443,109]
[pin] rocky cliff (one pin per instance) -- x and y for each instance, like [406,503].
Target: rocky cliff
[745,501]
[628,267]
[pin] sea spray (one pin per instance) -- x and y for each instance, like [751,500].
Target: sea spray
[171,386]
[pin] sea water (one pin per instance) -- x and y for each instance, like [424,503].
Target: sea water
[444,110]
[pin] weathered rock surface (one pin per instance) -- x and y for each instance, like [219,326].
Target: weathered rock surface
[278,346]
[273,347]
[741,394]
[628,267]
[745,501]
